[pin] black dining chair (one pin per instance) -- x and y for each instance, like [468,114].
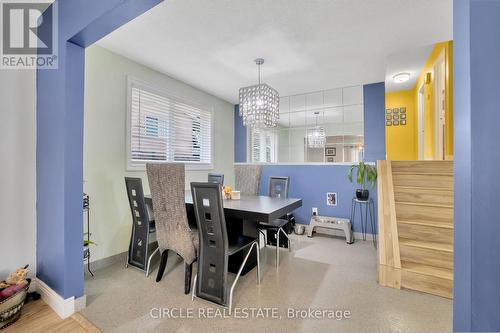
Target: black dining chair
[210,282]
[216,178]
[140,250]
[278,188]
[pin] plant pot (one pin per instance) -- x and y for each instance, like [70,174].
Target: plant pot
[362,195]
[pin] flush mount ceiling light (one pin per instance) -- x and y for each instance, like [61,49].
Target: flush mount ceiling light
[316,137]
[401,77]
[259,104]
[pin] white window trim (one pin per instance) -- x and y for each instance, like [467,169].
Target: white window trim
[131,80]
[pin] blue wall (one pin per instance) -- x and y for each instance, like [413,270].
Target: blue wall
[310,183]
[59,160]
[462,281]
[374,121]
[477,69]
[240,137]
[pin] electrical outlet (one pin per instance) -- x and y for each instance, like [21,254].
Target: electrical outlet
[315,211]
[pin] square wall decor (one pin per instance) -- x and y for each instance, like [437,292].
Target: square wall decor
[395,116]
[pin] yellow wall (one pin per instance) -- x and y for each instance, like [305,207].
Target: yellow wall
[399,146]
[429,140]
[400,140]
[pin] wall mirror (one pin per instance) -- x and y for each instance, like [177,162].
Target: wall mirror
[319,127]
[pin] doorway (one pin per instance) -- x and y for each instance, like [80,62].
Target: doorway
[439,107]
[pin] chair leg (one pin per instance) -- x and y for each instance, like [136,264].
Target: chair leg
[157,250]
[288,238]
[193,294]
[187,277]
[278,232]
[163,264]
[258,263]
[239,273]
[277,248]
[264,235]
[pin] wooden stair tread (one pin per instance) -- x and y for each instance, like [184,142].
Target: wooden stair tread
[426,245]
[439,272]
[423,166]
[424,213]
[423,204]
[427,224]
[411,173]
[437,189]
[425,180]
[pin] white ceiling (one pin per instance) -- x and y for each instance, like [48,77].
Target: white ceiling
[410,61]
[308,45]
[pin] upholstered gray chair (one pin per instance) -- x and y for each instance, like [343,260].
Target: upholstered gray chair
[167,183]
[248,179]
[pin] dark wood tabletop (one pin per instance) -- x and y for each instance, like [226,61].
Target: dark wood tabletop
[257,208]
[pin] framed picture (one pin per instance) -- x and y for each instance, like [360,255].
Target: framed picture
[388,123]
[395,111]
[402,110]
[402,122]
[395,116]
[330,159]
[402,116]
[395,122]
[331,151]
[388,117]
[388,111]
[331,199]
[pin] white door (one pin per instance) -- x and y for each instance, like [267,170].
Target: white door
[421,123]
[440,107]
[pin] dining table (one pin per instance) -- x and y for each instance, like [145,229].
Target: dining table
[243,217]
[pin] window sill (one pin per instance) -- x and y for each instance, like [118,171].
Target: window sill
[189,167]
[302,163]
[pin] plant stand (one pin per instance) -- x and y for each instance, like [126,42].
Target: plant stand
[369,207]
[86,248]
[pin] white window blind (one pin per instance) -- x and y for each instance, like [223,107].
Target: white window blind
[167,129]
[263,145]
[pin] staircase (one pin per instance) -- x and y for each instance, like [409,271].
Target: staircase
[416,225]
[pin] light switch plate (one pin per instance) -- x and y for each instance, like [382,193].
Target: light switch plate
[315,211]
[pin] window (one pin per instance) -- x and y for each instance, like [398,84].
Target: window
[263,145]
[166,129]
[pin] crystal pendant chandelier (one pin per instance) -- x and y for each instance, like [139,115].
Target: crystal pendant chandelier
[259,104]
[316,137]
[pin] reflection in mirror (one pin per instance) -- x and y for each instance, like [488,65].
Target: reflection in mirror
[419,108]
[298,138]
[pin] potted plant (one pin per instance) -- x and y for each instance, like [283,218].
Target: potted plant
[366,174]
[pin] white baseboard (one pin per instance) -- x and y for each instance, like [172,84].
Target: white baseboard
[63,307]
[359,236]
